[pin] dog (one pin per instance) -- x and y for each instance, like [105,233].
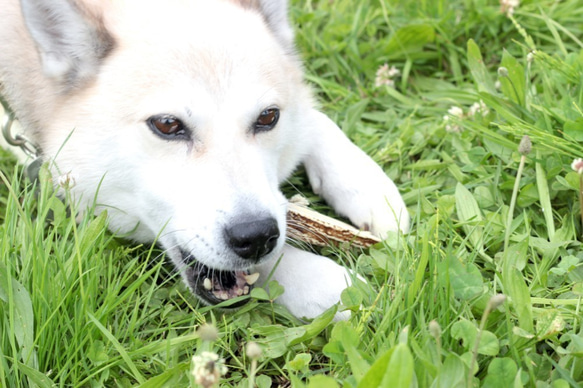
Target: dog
[181,118]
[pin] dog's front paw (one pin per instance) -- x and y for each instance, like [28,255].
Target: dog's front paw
[351,182]
[312,284]
[372,202]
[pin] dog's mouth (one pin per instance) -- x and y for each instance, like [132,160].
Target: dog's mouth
[216,286]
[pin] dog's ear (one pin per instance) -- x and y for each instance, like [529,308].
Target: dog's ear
[70,38]
[275,14]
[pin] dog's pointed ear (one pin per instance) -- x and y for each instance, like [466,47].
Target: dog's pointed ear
[71,40]
[275,14]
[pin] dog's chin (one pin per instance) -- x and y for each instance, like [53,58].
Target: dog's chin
[214,286]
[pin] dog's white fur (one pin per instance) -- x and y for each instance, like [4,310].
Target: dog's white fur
[83,76]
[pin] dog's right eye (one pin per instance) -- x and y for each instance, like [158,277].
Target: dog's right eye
[168,127]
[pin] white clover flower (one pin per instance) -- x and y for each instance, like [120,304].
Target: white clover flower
[455,112]
[453,128]
[507,7]
[385,76]
[577,165]
[478,108]
[66,181]
[207,369]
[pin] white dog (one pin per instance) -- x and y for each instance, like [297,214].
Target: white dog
[181,118]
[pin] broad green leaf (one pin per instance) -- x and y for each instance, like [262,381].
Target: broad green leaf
[300,363]
[345,333]
[351,298]
[479,71]
[374,377]
[263,381]
[517,331]
[509,110]
[259,293]
[343,336]
[97,353]
[275,290]
[294,334]
[549,323]
[514,85]
[527,196]
[468,333]
[168,377]
[119,347]
[35,376]
[516,256]
[489,344]
[334,351]
[452,374]
[93,231]
[409,40]
[560,383]
[321,381]
[574,129]
[484,197]
[273,340]
[501,373]
[465,279]
[383,260]
[58,213]
[353,116]
[542,184]
[316,326]
[400,370]
[22,323]
[358,364]
[470,215]
[519,293]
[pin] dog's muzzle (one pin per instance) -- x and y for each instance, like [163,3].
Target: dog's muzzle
[251,239]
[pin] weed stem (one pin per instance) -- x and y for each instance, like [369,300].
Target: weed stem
[513,201]
[581,200]
[493,303]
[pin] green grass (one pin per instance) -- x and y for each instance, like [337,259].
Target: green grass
[79,307]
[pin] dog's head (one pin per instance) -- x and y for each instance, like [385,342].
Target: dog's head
[180,118]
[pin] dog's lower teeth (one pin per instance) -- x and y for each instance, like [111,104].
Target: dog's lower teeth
[207,284]
[245,290]
[223,295]
[251,278]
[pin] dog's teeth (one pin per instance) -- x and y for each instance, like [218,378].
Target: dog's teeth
[252,278]
[223,295]
[207,284]
[239,291]
[245,290]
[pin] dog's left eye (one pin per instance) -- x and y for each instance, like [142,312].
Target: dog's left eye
[168,126]
[266,120]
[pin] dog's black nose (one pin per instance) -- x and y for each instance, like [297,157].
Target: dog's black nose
[253,239]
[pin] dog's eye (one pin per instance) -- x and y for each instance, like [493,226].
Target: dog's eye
[168,127]
[267,120]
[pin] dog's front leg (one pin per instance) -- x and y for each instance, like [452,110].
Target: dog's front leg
[351,182]
[312,283]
